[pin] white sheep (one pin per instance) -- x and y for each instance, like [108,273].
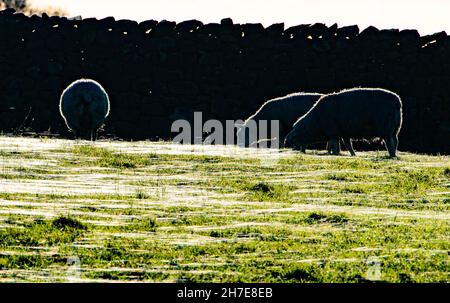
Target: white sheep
[84,105]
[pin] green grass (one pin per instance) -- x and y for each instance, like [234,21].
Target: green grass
[41,232]
[105,158]
[153,216]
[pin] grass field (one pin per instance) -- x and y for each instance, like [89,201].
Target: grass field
[109,211]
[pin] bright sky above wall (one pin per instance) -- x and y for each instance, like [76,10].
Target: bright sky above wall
[426,16]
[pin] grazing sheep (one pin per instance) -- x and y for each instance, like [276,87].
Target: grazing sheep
[359,113]
[84,105]
[286,110]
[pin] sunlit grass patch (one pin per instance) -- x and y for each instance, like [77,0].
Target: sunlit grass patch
[135,212]
[415,181]
[103,157]
[42,233]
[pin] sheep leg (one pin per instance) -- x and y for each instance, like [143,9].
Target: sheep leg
[333,147]
[281,136]
[349,146]
[76,134]
[93,135]
[336,147]
[391,145]
[299,148]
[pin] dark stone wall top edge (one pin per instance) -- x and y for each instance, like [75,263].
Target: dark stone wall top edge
[195,25]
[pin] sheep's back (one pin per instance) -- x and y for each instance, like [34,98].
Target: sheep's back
[287,109]
[359,113]
[84,100]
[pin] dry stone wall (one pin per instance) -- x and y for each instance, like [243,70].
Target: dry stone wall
[157,72]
